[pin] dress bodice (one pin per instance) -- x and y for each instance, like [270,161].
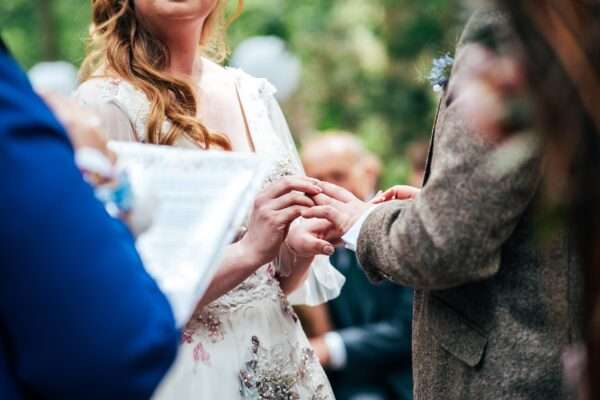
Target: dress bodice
[124,110]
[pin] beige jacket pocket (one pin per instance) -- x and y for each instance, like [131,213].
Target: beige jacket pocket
[455,334]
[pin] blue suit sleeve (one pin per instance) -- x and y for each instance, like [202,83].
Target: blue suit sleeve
[81,317]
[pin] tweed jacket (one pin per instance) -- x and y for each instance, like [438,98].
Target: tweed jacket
[494,306]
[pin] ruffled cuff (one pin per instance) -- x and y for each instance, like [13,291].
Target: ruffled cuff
[324,283]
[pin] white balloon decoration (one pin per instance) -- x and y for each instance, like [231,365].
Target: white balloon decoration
[268,57]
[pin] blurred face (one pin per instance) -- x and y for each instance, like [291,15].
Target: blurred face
[159,11]
[415,178]
[343,169]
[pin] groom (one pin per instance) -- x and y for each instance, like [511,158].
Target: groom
[493,308]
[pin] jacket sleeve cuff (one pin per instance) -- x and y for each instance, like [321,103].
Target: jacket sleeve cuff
[350,239]
[370,237]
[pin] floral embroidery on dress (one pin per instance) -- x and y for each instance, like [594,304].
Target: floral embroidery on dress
[271,275]
[187,336]
[277,374]
[286,307]
[204,322]
[213,325]
[201,355]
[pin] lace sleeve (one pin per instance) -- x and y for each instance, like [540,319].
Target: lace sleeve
[102,97]
[324,282]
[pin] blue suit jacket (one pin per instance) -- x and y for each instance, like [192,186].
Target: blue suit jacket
[79,317]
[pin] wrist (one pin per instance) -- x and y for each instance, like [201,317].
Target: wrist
[359,211]
[246,253]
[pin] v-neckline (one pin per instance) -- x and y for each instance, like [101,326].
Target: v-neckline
[247,129]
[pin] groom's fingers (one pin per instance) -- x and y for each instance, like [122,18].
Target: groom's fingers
[328,213]
[402,192]
[336,192]
[319,225]
[318,246]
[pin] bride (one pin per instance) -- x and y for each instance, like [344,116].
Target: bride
[150,77]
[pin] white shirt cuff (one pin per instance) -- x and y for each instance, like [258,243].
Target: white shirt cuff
[350,239]
[338,355]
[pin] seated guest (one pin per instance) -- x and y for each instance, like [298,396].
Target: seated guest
[366,339]
[79,316]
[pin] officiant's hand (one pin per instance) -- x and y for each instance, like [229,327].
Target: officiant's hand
[275,208]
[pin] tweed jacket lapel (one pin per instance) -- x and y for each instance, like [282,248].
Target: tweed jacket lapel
[431,145]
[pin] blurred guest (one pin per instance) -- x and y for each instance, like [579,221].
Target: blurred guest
[367,350]
[417,153]
[69,329]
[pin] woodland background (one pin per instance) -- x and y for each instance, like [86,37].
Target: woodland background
[365,62]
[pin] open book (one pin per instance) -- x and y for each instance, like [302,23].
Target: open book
[199,200]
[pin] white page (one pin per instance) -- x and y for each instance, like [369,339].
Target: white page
[201,200]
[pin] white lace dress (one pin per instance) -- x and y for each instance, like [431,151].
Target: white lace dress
[248,344]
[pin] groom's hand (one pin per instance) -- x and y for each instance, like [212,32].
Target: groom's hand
[338,206]
[400,192]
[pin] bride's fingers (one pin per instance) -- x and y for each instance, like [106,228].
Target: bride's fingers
[291,199]
[288,215]
[293,183]
[337,193]
[325,200]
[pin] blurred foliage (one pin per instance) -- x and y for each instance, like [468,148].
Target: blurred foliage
[365,61]
[37,30]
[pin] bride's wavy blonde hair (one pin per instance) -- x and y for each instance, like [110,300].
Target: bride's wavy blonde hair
[119,43]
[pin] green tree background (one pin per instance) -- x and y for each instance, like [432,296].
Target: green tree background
[365,62]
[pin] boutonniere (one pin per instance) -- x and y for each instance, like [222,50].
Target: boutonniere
[440,72]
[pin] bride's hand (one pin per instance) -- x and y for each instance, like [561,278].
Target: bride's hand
[306,238]
[275,208]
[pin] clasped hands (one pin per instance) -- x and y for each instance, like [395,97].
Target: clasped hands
[328,212]
[336,210]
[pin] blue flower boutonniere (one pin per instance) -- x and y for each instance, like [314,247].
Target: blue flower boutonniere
[440,72]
